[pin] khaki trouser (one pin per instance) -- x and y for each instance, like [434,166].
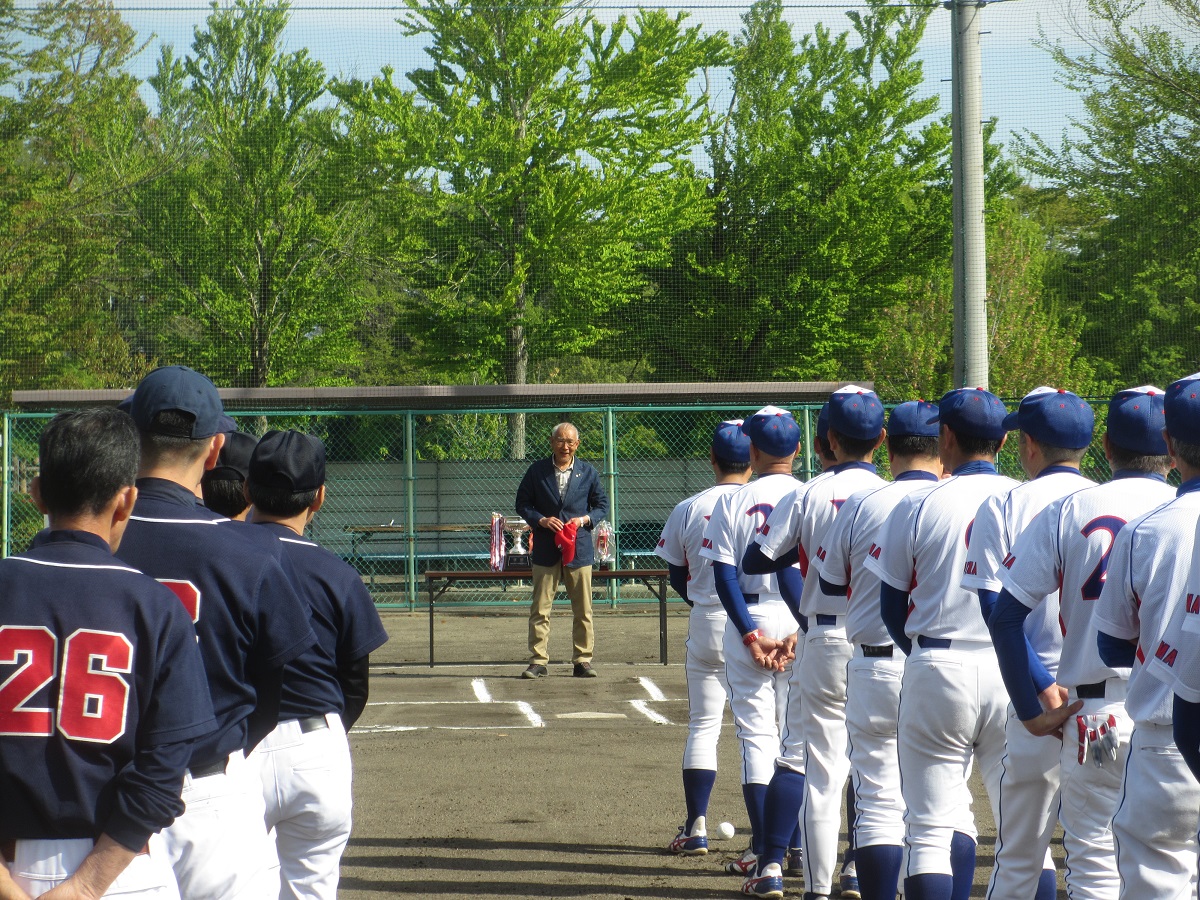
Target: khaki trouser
[578,584]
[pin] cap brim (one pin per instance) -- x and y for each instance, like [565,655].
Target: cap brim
[1010,422]
[226,424]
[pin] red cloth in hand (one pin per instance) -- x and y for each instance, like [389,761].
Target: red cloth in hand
[566,541]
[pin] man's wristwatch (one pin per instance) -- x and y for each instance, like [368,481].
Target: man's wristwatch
[751,636]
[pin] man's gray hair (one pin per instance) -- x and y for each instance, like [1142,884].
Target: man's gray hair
[560,426]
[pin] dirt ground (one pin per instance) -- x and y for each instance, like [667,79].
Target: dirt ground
[473,782]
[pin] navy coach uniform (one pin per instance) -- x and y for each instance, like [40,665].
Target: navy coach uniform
[249,623]
[305,761]
[102,694]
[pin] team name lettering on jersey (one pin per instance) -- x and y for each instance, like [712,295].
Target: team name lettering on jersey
[970,568]
[874,551]
[1193,604]
[1008,561]
[1166,653]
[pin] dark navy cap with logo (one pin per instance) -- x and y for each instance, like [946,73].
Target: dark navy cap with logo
[1136,420]
[179,389]
[730,443]
[972,411]
[233,464]
[288,460]
[913,418]
[856,413]
[773,431]
[1182,409]
[1053,417]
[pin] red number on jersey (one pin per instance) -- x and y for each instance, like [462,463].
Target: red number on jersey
[33,650]
[94,698]
[188,594]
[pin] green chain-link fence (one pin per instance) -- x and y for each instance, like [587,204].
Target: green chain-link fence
[413,491]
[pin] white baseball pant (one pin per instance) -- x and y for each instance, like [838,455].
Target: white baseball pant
[41,865]
[872,706]
[707,688]
[219,847]
[822,682]
[1154,828]
[952,709]
[1088,796]
[757,696]
[306,784]
[1028,802]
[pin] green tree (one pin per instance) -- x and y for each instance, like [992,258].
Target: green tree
[830,180]
[250,247]
[66,105]
[552,156]
[1131,174]
[1031,340]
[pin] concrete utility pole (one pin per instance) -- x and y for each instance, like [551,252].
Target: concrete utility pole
[966,162]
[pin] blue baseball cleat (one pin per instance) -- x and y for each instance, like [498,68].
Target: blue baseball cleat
[768,884]
[694,843]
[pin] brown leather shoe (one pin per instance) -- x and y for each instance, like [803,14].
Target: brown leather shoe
[583,670]
[534,671]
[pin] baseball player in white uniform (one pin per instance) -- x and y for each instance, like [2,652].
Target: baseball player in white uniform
[873,673]
[1154,827]
[1063,553]
[1179,668]
[1055,431]
[952,701]
[815,736]
[760,634]
[692,578]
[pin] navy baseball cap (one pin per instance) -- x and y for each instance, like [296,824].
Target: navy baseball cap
[288,460]
[972,411]
[729,443]
[1136,420]
[773,431]
[913,418]
[233,463]
[1181,407]
[855,412]
[179,389]
[1054,417]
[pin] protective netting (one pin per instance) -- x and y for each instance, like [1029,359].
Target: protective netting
[412,492]
[545,192]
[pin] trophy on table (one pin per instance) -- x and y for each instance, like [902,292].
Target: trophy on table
[518,558]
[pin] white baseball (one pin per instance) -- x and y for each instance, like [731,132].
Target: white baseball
[725,831]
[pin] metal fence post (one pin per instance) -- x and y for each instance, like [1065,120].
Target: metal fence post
[610,477]
[6,452]
[410,505]
[808,468]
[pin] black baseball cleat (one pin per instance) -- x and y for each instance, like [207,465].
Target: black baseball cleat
[583,670]
[534,671]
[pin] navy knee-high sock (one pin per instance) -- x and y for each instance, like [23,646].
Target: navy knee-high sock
[781,815]
[962,863]
[930,886]
[755,796]
[1047,888]
[879,874]
[697,787]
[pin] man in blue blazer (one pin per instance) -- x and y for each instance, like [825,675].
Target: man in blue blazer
[558,495]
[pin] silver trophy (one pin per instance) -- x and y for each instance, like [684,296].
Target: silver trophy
[518,555]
